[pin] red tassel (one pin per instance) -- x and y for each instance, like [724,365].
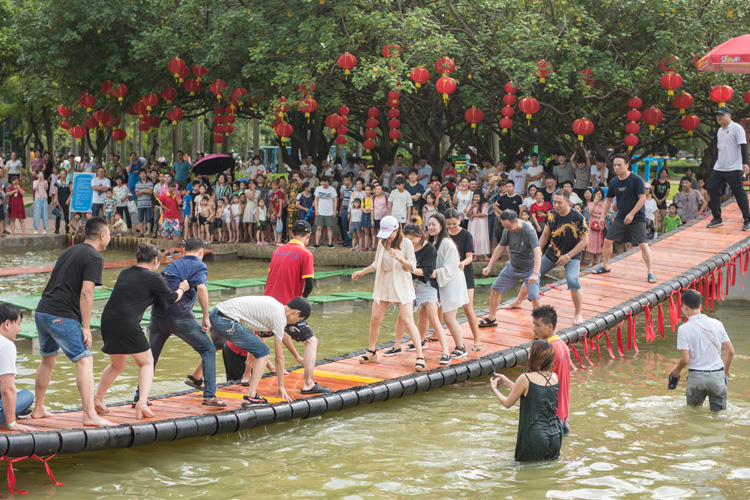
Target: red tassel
[720,289]
[595,343]
[47,467]
[633,340]
[586,351]
[673,312]
[733,265]
[609,345]
[707,295]
[578,357]
[742,278]
[631,327]
[619,340]
[747,260]
[660,321]
[12,475]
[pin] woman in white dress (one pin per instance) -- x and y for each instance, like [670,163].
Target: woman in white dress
[451,280]
[252,194]
[462,200]
[394,261]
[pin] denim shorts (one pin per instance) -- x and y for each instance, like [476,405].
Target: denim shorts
[509,277]
[144,214]
[232,331]
[356,227]
[572,271]
[56,334]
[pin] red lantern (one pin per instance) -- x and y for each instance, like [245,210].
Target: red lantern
[631,141]
[344,121]
[747,97]
[508,111]
[394,123]
[371,123]
[218,87]
[343,110]
[169,94]
[474,115]
[63,111]
[118,90]
[151,101]
[652,117]
[307,106]
[419,76]
[87,101]
[635,103]
[395,135]
[106,88]
[91,123]
[393,103]
[333,122]
[721,94]
[307,87]
[446,86]
[394,95]
[179,69]
[509,99]
[238,95]
[64,124]
[175,115]
[199,71]
[544,70]
[669,64]
[369,145]
[371,134]
[192,86]
[391,51]
[394,113]
[218,138]
[347,62]
[284,130]
[218,110]
[529,106]
[506,124]
[78,132]
[342,131]
[588,77]
[230,119]
[510,88]
[682,102]
[583,127]
[143,127]
[444,66]
[119,135]
[102,117]
[153,121]
[690,123]
[282,106]
[632,128]
[671,82]
[228,128]
[373,112]
[634,115]
[218,119]
[341,139]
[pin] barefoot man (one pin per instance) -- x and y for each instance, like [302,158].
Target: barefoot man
[525,260]
[63,318]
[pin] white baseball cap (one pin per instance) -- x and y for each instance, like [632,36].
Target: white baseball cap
[388,224]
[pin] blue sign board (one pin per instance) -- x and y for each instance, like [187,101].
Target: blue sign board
[82,193]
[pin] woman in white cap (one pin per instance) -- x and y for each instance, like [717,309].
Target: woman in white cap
[394,261]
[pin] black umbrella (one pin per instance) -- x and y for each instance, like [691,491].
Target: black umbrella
[213,164]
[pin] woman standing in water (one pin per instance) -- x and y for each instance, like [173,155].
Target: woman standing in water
[539,430]
[136,288]
[394,261]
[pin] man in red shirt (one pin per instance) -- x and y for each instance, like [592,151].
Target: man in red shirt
[545,321]
[290,274]
[170,204]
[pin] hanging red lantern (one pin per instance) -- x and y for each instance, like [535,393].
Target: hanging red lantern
[218,87]
[544,69]
[230,119]
[179,69]
[506,124]
[747,97]
[64,111]
[119,135]
[341,139]
[78,132]
[139,109]
[509,99]
[394,123]
[721,94]
[446,86]
[588,77]
[445,66]
[395,135]
[87,101]
[631,141]
[347,62]
[218,110]
[91,123]
[118,90]
[307,87]
[510,88]
[150,101]
[392,51]
[169,94]
[634,115]
[529,106]
[682,102]
[373,112]
[282,106]
[333,122]
[218,138]
[508,111]
[394,95]
[64,125]
[239,95]
[228,128]
[106,88]
[670,63]
[177,115]
[153,121]
[583,127]
[635,102]
[419,76]
[284,130]
[192,86]
[393,103]
[218,119]
[144,127]
[371,123]
[307,105]
[342,131]
[344,121]
[632,128]
[102,117]
[199,72]
[671,82]
[394,113]
[652,117]
[371,134]
[474,115]
[343,110]
[369,145]
[690,123]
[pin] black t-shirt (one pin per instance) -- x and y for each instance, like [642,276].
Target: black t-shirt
[626,191]
[660,189]
[63,192]
[565,233]
[426,261]
[547,196]
[465,243]
[416,189]
[513,202]
[62,296]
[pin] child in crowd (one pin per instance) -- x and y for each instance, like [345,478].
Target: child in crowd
[243,229]
[544,319]
[671,221]
[355,224]
[367,230]
[187,211]
[539,211]
[261,215]
[477,213]
[236,218]
[205,217]
[444,200]
[429,209]
[526,216]
[76,225]
[277,203]
[704,192]
[109,206]
[119,228]
[379,210]
[222,221]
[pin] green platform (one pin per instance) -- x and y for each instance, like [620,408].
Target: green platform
[31,302]
[484,281]
[327,299]
[238,282]
[354,295]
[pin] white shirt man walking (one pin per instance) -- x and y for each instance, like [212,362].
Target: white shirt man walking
[700,341]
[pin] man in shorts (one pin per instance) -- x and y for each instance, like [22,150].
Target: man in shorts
[63,318]
[700,341]
[144,190]
[290,274]
[525,260]
[630,220]
[170,226]
[14,404]
[325,210]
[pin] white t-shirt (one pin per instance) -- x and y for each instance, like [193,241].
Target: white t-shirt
[326,200]
[226,215]
[519,181]
[7,357]
[14,167]
[534,171]
[427,172]
[99,196]
[599,177]
[401,200]
[119,193]
[704,354]
[729,140]
[308,169]
[650,208]
[257,314]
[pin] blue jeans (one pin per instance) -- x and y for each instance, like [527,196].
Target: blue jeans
[232,331]
[345,228]
[56,333]
[572,271]
[491,224]
[24,400]
[189,330]
[41,212]
[96,209]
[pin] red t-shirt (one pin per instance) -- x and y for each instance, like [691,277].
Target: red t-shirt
[562,369]
[171,205]
[541,212]
[290,265]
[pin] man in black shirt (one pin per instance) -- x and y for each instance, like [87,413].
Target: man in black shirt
[508,200]
[416,190]
[550,186]
[63,318]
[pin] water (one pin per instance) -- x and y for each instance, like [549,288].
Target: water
[631,438]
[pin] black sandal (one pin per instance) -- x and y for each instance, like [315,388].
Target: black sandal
[487,323]
[369,359]
[214,401]
[195,383]
[148,403]
[420,366]
[412,347]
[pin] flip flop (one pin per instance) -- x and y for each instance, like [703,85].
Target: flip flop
[651,278]
[316,389]
[214,402]
[487,323]
[601,270]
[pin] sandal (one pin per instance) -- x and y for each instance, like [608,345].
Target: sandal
[134,403]
[195,383]
[420,366]
[651,278]
[487,323]
[477,347]
[445,359]
[316,389]
[392,352]
[459,352]
[602,270]
[412,347]
[369,359]
[214,401]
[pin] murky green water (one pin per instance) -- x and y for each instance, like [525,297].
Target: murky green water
[631,437]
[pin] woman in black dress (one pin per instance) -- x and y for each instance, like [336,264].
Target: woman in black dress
[136,288]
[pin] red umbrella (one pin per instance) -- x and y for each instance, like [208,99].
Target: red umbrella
[732,56]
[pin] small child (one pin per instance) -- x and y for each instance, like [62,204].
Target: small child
[355,224]
[187,211]
[544,320]
[261,214]
[526,215]
[219,220]
[671,221]
[205,217]
[109,206]
[243,229]
[119,228]
[429,209]
[235,217]
[367,229]
[278,198]
[76,226]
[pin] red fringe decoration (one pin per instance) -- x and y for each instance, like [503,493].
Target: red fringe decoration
[673,312]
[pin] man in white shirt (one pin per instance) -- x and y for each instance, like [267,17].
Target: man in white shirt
[518,176]
[14,404]
[400,202]
[236,319]
[731,164]
[425,171]
[700,341]
[488,170]
[308,170]
[99,184]
[535,172]
[325,211]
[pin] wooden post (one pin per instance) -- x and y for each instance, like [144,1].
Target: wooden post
[359,144]
[256,136]
[177,140]
[495,147]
